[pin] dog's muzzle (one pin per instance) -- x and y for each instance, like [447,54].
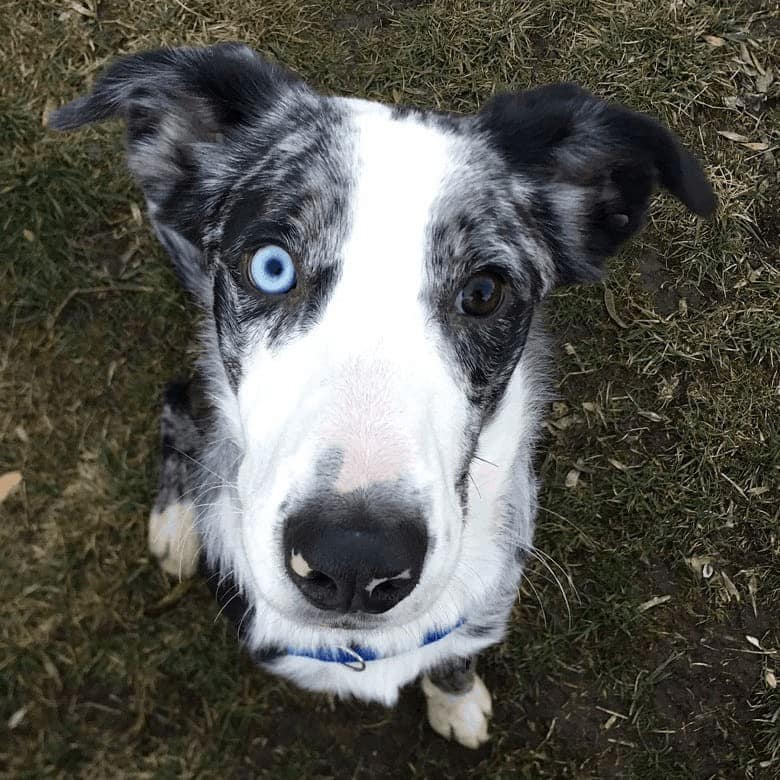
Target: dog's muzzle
[355,552]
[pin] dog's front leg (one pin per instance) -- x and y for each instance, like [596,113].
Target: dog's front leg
[173,538]
[458,702]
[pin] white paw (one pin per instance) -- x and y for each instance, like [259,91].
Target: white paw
[174,541]
[462,717]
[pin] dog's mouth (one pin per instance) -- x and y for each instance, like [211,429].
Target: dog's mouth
[352,622]
[326,620]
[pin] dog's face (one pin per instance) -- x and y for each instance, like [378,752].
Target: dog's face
[371,275]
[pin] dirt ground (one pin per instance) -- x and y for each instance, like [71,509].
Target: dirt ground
[645,641]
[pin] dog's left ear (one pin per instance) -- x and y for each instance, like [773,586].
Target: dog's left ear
[595,165]
[180,106]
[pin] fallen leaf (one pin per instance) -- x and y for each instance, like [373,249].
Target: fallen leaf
[81,9]
[609,303]
[730,587]
[566,422]
[16,718]
[764,80]
[770,679]
[653,602]
[753,641]
[752,590]
[8,483]
[744,54]
[701,566]
[51,670]
[582,467]
[28,235]
[47,111]
[736,137]
[714,40]
[170,599]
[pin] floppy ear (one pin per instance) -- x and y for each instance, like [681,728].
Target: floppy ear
[596,166]
[181,106]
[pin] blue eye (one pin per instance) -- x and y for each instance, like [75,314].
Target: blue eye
[271,270]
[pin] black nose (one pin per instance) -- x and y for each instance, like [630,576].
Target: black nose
[351,554]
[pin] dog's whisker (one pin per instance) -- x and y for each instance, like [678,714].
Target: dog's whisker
[534,553]
[525,578]
[485,460]
[474,482]
[236,595]
[564,572]
[474,575]
[247,611]
[222,480]
[226,575]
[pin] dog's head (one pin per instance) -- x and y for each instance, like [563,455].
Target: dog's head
[370,274]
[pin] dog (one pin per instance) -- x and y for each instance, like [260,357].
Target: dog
[352,463]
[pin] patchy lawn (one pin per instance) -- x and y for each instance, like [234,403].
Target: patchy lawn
[644,645]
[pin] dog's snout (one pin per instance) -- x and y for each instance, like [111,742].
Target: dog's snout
[354,561]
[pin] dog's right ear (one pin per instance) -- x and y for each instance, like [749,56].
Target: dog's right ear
[180,106]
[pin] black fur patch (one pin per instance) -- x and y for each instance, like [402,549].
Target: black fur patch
[476,227]
[455,676]
[179,442]
[597,163]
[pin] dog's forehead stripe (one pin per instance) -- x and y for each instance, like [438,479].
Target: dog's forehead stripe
[398,170]
[377,314]
[401,165]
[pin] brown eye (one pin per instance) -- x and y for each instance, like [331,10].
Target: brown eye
[481,295]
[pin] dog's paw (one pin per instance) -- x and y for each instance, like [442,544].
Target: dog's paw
[173,539]
[459,716]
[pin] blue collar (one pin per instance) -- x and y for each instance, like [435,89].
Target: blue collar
[356,656]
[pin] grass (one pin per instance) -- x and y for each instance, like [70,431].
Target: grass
[668,419]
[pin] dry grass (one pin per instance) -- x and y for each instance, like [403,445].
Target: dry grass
[670,382]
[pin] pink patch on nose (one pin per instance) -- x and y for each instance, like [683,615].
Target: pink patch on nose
[368,423]
[366,464]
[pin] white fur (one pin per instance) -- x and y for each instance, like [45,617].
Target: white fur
[459,716]
[173,539]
